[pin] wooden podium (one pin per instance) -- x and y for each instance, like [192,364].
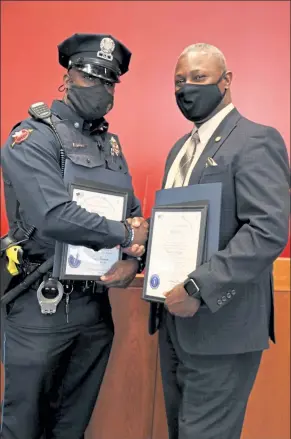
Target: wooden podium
[131,404]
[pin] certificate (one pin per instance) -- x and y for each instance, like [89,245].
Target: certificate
[210,192]
[175,249]
[84,263]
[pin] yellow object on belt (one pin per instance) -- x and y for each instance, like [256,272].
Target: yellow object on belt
[14,255]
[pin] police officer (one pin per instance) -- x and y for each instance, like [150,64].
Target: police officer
[54,365]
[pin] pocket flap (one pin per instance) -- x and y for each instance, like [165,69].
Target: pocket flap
[211,170]
[86,160]
[118,165]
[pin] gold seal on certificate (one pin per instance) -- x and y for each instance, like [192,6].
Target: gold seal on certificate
[176,247]
[84,263]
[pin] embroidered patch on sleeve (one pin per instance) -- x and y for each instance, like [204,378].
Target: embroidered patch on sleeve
[20,136]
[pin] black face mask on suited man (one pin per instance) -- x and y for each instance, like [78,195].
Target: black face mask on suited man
[197,101]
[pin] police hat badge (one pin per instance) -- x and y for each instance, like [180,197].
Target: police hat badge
[107,46]
[114,147]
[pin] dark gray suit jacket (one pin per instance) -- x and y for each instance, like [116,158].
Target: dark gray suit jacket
[236,284]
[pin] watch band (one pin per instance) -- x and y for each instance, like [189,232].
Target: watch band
[129,239]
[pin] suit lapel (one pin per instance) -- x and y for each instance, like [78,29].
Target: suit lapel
[215,142]
[173,154]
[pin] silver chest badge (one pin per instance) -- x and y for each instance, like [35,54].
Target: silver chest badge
[107,46]
[114,147]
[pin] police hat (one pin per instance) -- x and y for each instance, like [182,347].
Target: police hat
[98,55]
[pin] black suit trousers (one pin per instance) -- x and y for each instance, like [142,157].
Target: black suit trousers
[205,395]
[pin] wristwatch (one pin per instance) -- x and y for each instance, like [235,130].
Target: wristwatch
[130,235]
[192,288]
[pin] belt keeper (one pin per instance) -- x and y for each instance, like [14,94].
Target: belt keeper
[88,285]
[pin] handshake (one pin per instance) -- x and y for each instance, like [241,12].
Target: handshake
[122,273]
[141,229]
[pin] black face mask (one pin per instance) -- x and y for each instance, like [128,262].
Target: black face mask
[197,101]
[90,102]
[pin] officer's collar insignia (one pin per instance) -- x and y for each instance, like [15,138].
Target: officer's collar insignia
[107,46]
[20,136]
[114,147]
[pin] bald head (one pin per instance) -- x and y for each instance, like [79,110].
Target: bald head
[209,51]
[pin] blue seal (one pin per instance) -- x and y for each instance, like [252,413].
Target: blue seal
[74,262]
[155,281]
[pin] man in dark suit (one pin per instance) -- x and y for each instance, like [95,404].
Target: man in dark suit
[215,325]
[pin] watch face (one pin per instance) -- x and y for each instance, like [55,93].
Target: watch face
[191,288]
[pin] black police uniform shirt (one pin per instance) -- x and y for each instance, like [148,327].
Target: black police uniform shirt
[36,194]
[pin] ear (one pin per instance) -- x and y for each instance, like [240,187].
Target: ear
[228,79]
[67,80]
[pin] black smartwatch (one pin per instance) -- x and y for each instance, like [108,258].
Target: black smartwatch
[192,288]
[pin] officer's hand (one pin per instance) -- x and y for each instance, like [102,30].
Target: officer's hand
[121,274]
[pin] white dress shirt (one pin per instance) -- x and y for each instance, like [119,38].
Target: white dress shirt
[205,132]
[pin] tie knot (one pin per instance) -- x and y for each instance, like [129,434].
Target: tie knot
[195,137]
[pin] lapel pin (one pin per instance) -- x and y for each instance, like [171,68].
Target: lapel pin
[217,139]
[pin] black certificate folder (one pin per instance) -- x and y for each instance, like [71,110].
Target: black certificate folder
[161,276]
[210,192]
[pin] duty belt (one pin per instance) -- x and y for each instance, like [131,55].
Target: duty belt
[82,286]
[85,287]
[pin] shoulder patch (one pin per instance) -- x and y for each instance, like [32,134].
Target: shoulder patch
[20,136]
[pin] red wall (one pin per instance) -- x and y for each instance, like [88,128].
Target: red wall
[253,35]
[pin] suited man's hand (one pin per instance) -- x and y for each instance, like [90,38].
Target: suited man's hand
[135,250]
[180,303]
[137,221]
[121,274]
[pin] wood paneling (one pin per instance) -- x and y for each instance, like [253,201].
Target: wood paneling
[160,424]
[125,407]
[268,413]
[282,274]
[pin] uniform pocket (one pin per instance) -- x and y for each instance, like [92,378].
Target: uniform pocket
[86,160]
[117,165]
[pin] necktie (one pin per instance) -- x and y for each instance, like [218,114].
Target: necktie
[186,160]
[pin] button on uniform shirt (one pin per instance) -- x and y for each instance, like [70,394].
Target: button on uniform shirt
[204,132]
